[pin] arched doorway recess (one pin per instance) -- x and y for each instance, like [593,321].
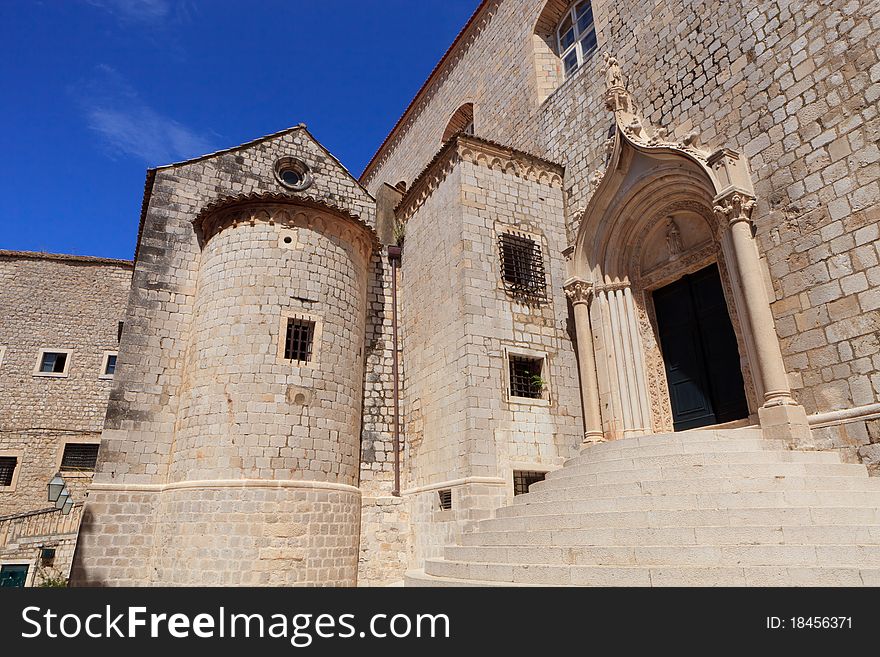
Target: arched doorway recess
[662,212]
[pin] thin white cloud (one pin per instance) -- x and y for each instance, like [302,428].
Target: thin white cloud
[127,125]
[135,10]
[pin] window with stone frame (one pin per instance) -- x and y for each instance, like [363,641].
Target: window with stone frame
[7,470]
[80,457]
[526,376]
[445,499]
[522,266]
[298,339]
[576,36]
[53,362]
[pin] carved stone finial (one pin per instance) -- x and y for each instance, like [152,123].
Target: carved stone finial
[734,209]
[613,75]
[595,179]
[578,290]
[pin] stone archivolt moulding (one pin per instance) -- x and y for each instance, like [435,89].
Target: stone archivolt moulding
[303,212]
[650,182]
[481,152]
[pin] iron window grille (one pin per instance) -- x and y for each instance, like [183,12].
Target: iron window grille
[80,457]
[7,469]
[522,479]
[298,341]
[445,496]
[53,362]
[525,377]
[522,267]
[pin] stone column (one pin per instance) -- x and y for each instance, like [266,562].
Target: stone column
[780,416]
[580,293]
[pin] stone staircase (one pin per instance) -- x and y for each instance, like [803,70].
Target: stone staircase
[721,507]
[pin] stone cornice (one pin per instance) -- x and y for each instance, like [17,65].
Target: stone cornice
[482,152]
[302,211]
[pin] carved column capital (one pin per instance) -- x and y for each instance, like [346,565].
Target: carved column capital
[578,290]
[733,209]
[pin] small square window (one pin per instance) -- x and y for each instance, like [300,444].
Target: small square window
[522,266]
[522,479]
[526,377]
[7,470]
[445,498]
[53,362]
[80,457]
[108,365]
[298,340]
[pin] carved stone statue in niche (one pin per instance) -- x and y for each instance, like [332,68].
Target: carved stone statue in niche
[673,240]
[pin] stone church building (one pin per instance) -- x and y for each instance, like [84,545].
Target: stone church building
[603,309]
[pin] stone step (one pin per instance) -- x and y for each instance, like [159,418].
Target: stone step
[749,535]
[696,460]
[615,451]
[696,501]
[571,489]
[656,576]
[670,555]
[696,436]
[774,516]
[731,470]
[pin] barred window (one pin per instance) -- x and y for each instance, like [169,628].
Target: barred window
[445,496]
[522,479]
[525,377]
[298,340]
[80,457]
[7,469]
[522,266]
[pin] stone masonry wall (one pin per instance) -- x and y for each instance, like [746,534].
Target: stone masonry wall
[792,85]
[145,405]
[60,302]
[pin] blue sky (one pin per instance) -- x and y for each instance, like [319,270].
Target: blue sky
[96,91]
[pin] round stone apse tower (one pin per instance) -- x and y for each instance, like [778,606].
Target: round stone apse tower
[264,465]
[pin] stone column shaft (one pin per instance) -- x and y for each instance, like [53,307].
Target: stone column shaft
[757,306]
[580,293]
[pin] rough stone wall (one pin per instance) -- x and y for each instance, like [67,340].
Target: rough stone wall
[163,338]
[61,302]
[792,85]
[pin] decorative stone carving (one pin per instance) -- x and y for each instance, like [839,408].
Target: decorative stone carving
[636,129]
[673,240]
[578,291]
[736,208]
[595,179]
[613,75]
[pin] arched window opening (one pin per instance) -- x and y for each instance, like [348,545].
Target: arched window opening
[564,38]
[462,121]
[576,36]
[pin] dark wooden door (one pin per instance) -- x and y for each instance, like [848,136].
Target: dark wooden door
[699,351]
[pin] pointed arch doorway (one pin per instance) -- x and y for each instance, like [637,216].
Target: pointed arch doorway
[664,258]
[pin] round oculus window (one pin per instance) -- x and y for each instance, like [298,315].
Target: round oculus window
[293,173]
